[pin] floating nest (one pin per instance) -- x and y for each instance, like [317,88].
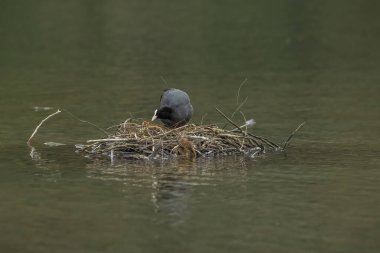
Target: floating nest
[138,139]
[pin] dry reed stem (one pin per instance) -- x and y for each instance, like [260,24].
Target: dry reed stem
[39,125]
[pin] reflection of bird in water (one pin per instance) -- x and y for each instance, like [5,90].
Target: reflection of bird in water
[170,184]
[171,197]
[175,108]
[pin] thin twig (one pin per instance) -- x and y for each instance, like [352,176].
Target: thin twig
[268,142]
[163,79]
[35,130]
[112,156]
[292,134]
[238,108]
[85,121]
[246,130]
[228,119]
[238,93]
[239,128]
[245,120]
[203,116]
[109,140]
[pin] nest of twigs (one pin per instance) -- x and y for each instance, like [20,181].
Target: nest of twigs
[144,140]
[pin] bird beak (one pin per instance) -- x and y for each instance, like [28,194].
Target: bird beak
[154,116]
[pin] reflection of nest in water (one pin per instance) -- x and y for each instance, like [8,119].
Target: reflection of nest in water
[145,140]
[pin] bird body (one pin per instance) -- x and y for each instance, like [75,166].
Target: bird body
[175,108]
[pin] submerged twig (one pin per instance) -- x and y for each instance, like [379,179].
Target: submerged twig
[39,125]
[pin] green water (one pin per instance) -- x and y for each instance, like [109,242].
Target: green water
[313,61]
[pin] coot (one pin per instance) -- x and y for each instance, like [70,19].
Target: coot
[175,108]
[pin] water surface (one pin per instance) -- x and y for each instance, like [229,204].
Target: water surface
[103,60]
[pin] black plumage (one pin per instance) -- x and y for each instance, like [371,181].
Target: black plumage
[175,108]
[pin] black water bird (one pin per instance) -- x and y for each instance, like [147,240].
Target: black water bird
[175,108]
